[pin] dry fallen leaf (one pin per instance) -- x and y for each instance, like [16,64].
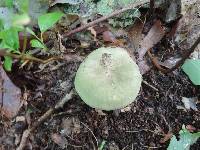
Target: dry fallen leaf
[190,128]
[70,126]
[109,37]
[190,103]
[188,27]
[135,33]
[154,36]
[173,11]
[166,137]
[60,140]
[9,96]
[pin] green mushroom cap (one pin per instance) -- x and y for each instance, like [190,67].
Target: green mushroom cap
[108,79]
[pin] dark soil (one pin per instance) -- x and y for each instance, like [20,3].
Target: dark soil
[140,128]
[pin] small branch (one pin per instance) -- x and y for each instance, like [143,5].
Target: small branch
[91,133]
[31,58]
[151,86]
[186,55]
[43,118]
[115,13]
[28,57]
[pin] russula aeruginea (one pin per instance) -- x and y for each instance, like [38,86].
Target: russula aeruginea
[108,79]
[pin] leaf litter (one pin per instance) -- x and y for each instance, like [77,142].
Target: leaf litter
[10,100]
[109,126]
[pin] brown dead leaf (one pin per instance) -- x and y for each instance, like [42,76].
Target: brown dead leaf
[155,34]
[109,37]
[9,96]
[60,140]
[135,33]
[166,137]
[188,27]
[173,11]
[100,28]
[71,126]
[190,128]
[169,63]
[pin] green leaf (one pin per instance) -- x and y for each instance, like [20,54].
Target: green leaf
[102,145]
[22,5]
[1,25]
[9,3]
[105,7]
[192,68]
[37,44]
[29,30]
[186,140]
[6,3]
[46,21]
[7,63]
[84,10]
[10,38]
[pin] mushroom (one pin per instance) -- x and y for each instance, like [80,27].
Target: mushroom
[108,79]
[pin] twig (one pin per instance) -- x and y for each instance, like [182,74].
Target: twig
[28,57]
[31,58]
[115,13]
[91,132]
[44,117]
[151,86]
[185,56]
[146,130]
[152,147]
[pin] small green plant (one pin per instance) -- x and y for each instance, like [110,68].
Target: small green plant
[108,79]
[102,145]
[11,24]
[186,139]
[45,22]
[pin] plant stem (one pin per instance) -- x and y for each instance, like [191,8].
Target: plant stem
[28,57]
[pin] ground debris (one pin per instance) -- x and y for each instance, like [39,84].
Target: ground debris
[10,96]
